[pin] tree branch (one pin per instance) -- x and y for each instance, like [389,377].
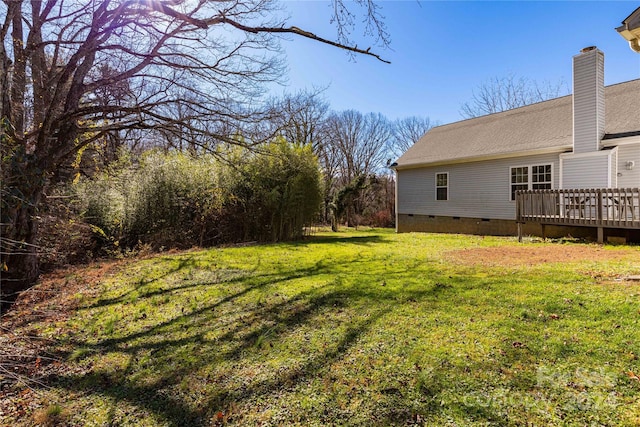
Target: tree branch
[292,30]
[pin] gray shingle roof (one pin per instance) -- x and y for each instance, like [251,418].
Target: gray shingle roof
[542,126]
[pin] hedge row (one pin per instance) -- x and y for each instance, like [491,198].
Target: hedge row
[179,200]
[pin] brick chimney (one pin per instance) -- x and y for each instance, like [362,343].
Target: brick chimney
[588,100]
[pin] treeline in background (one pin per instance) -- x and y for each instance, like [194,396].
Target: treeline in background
[149,191]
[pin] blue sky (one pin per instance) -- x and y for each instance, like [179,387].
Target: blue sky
[442,50]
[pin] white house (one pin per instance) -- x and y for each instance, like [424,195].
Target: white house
[469,176]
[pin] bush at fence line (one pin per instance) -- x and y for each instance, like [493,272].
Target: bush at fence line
[178,200]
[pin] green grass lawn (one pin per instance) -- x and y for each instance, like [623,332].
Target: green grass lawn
[354,328]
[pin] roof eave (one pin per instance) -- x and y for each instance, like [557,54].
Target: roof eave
[471,159]
[615,140]
[630,30]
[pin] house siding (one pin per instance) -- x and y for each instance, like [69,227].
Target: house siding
[588,101]
[588,171]
[629,178]
[476,189]
[613,168]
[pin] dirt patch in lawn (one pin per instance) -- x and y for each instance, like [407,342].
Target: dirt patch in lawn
[27,357]
[529,255]
[57,294]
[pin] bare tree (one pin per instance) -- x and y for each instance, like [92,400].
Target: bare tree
[330,162]
[505,93]
[299,117]
[360,140]
[72,72]
[407,132]
[359,144]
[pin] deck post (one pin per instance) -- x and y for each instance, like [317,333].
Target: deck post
[519,202]
[519,232]
[600,235]
[599,216]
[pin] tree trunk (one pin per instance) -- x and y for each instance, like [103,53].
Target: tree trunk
[21,260]
[22,190]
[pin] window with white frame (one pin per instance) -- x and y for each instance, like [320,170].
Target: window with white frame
[442,186]
[537,177]
[541,177]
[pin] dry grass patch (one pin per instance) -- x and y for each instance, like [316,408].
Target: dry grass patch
[529,254]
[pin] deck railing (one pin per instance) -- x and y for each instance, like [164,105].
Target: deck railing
[604,207]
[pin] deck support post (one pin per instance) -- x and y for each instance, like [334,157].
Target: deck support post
[599,216]
[544,231]
[600,235]
[519,232]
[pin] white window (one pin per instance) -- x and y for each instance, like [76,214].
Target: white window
[541,177]
[537,177]
[442,186]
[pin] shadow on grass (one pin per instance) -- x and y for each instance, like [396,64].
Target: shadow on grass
[231,332]
[242,345]
[356,240]
[185,262]
[164,327]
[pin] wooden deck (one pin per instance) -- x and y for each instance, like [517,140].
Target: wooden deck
[601,208]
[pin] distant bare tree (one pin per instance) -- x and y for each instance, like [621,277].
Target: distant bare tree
[506,93]
[73,72]
[330,162]
[407,132]
[358,143]
[299,117]
[360,140]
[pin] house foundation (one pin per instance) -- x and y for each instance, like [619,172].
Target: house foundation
[487,227]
